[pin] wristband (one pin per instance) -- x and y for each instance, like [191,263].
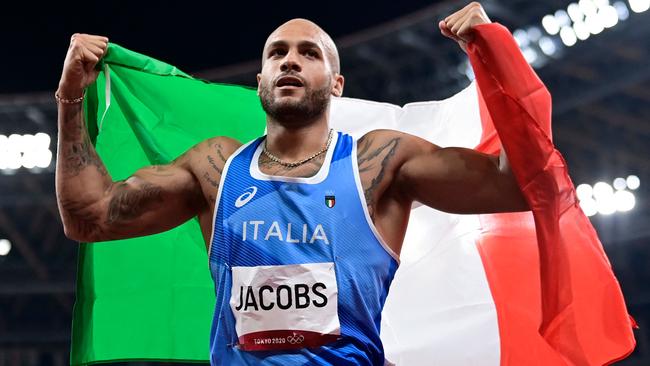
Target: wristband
[68,101]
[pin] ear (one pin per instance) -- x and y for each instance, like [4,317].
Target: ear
[259,77]
[338,81]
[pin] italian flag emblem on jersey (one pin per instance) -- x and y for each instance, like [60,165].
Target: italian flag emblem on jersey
[330,201]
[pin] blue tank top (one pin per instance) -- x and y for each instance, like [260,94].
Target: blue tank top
[301,274]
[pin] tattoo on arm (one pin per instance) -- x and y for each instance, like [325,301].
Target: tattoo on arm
[128,203]
[219,153]
[85,221]
[210,180]
[362,154]
[77,150]
[214,181]
[374,159]
[213,165]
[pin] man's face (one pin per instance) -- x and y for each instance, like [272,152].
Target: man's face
[296,81]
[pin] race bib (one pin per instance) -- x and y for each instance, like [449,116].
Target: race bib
[285,307]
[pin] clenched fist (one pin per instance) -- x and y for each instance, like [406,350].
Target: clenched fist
[460,25]
[79,66]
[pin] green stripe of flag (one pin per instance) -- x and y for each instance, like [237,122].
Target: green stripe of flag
[152,297]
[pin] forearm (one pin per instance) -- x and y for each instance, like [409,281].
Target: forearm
[81,177]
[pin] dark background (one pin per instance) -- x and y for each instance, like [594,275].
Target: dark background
[193,36]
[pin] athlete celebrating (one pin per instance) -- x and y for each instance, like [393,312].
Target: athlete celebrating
[303,226]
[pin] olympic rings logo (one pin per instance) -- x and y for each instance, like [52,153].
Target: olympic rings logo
[296,338]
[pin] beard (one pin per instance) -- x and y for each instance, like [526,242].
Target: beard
[313,104]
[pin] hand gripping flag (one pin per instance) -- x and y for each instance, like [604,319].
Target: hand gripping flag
[532,288]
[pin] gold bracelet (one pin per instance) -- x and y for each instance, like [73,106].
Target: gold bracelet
[68,101]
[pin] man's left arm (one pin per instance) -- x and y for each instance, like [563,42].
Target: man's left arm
[463,180]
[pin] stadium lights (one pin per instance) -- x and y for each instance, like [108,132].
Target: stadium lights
[633,182]
[26,151]
[547,46]
[5,247]
[551,25]
[568,36]
[639,6]
[578,22]
[607,199]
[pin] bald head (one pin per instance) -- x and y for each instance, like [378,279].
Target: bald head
[300,73]
[305,26]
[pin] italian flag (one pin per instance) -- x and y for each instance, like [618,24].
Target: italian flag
[530,288]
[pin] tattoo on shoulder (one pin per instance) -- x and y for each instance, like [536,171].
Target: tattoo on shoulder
[129,203]
[213,182]
[219,162]
[219,150]
[215,146]
[214,165]
[373,159]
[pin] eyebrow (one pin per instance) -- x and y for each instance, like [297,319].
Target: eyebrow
[301,44]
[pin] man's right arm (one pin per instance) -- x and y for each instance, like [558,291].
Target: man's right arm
[92,206]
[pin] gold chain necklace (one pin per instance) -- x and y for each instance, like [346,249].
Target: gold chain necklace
[297,163]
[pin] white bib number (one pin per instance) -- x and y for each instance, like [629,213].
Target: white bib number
[285,307]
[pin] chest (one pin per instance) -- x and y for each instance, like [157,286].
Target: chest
[324,187]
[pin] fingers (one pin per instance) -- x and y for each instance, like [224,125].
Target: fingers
[466,31]
[463,28]
[88,56]
[455,17]
[87,49]
[88,59]
[88,37]
[96,50]
[459,25]
[97,45]
[447,32]
[83,54]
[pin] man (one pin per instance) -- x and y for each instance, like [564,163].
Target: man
[304,226]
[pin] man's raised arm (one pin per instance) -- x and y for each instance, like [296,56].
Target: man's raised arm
[92,206]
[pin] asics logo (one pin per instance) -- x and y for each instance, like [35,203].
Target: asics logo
[246,196]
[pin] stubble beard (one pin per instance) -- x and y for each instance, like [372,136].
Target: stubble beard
[294,113]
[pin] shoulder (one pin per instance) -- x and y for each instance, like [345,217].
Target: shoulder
[398,143]
[221,145]
[380,153]
[214,150]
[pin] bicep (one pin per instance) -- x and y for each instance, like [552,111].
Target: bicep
[459,180]
[152,200]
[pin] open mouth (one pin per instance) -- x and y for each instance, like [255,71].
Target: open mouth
[289,82]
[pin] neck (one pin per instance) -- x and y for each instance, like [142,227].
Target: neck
[291,143]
